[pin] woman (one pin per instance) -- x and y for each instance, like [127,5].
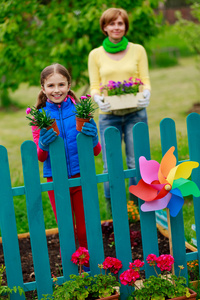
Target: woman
[118,60]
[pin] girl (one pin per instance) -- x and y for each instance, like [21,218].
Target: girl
[59,101]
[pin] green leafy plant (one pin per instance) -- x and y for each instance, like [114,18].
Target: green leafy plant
[85,108]
[38,118]
[83,286]
[160,287]
[5,290]
[122,88]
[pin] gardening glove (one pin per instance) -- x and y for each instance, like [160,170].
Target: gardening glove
[103,106]
[90,129]
[46,137]
[144,102]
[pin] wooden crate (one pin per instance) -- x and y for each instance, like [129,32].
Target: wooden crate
[123,101]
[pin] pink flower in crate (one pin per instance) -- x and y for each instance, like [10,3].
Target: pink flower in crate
[80,256]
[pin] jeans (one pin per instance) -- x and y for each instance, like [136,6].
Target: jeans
[125,126]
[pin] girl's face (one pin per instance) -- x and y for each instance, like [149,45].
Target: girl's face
[56,87]
[115,30]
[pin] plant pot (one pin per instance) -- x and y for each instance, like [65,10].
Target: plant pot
[192,296]
[80,122]
[195,283]
[113,297]
[55,127]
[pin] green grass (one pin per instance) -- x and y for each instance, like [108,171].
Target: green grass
[173,93]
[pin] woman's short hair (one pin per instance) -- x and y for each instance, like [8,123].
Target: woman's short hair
[112,14]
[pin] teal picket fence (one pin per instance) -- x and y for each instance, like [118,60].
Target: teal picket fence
[89,181]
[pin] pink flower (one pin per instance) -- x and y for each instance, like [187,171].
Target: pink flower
[129,277]
[83,97]
[28,110]
[113,264]
[151,259]
[136,264]
[165,262]
[80,256]
[89,96]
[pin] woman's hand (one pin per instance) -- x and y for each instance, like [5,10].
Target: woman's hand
[46,138]
[90,129]
[144,102]
[103,106]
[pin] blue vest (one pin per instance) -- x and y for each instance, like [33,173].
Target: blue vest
[65,119]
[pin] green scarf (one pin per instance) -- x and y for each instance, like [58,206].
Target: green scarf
[114,48]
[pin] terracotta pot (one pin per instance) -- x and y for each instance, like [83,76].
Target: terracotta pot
[113,297]
[80,122]
[55,127]
[192,296]
[195,283]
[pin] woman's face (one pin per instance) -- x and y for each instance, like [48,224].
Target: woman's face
[115,30]
[56,87]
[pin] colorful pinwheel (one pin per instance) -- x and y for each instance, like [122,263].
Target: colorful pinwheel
[165,184]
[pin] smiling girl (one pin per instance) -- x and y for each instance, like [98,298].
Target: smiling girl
[59,101]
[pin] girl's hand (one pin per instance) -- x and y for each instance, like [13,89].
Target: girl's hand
[46,137]
[90,129]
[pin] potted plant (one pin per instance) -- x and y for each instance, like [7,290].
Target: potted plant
[41,119]
[123,95]
[84,286]
[84,111]
[159,287]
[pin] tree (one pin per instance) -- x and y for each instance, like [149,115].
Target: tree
[190,30]
[34,34]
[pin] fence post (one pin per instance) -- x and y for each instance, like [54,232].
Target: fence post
[8,228]
[36,218]
[147,219]
[118,200]
[168,139]
[193,123]
[63,206]
[91,202]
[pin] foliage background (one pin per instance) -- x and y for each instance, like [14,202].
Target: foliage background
[34,34]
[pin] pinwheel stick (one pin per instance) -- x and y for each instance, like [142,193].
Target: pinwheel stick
[170,236]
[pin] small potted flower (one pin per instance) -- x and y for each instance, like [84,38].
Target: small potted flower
[162,286]
[123,95]
[84,286]
[41,119]
[84,111]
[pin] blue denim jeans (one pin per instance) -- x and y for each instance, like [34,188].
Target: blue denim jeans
[125,126]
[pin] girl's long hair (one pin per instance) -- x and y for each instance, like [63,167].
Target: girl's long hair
[50,70]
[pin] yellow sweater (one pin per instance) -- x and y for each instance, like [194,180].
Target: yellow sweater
[102,68]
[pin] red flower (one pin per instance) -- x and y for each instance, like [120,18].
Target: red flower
[151,259]
[137,264]
[165,262]
[113,264]
[80,256]
[129,277]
